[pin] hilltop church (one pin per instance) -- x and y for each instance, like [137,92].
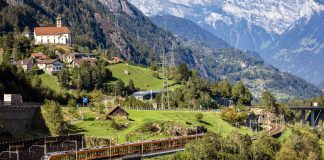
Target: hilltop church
[53,35]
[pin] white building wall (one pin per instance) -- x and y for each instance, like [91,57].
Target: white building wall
[53,39]
[42,66]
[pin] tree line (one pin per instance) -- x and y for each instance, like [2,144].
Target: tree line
[302,144]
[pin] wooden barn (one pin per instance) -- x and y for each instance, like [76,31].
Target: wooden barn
[117,111]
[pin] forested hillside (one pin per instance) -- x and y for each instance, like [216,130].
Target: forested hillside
[124,31]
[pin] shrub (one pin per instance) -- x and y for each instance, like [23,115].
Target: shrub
[199,116]
[231,115]
[120,123]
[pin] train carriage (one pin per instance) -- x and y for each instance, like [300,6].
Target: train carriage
[137,148]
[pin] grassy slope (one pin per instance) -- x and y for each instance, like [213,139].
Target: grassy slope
[101,128]
[142,77]
[50,82]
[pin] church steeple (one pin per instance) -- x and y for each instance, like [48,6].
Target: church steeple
[58,21]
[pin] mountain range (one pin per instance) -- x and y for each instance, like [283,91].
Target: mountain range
[121,28]
[280,31]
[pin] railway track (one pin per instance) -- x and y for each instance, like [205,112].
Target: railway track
[276,130]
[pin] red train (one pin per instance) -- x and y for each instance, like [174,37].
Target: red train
[122,150]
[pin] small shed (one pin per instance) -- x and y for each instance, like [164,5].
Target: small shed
[117,111]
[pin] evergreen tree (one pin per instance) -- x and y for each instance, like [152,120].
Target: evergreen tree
[64,77]
[96,79]
[86,79]
[241,94]
[131,87]
[119,87]
[225,88]
[183,72]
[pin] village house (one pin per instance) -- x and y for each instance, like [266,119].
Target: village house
[79,62]
[26,64]
[117,111]
[38,56]
[53,35]
[116,60]
[50,66]
[68,58]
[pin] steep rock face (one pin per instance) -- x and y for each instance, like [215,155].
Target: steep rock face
[300,49]
[189,30]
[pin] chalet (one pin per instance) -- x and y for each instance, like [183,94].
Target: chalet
[79,62]
[117,111]
[116,60]
[26,64]
[50,66]
[1,54]
[53,35]
[38,56]
[146,95]
[68,58]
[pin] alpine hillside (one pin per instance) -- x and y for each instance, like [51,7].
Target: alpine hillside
[253,25]
[189,30]
[124,31]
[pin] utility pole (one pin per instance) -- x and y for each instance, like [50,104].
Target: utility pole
[165,96]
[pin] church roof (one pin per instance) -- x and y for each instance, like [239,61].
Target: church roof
[51,30]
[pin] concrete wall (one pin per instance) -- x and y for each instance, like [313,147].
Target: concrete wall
[17,119]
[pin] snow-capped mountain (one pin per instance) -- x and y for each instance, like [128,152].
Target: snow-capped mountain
[245,24]
[273,16]
[257,25]
[305,56]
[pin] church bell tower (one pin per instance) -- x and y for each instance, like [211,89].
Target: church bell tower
[58,21]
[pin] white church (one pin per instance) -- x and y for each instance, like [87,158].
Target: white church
[53,35]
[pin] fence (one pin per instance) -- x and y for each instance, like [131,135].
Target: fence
[172,109]
[35,148]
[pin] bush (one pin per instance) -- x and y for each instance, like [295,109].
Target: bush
[73,111]
[120,123]
[231,115]
[199,116]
